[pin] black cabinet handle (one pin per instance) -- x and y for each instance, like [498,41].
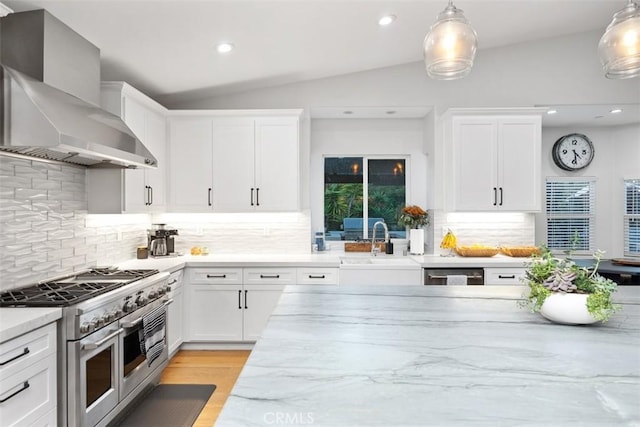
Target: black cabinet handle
[252,197]
[245,300]
[500,196]
[151,195]
[495,196]
[311,276]
[216,276]
[24,387]
[239,298]
[503,276]
[257,197]
[24,353]
[146,195]
[267,276]
[209,196]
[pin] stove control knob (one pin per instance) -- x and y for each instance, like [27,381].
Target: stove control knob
[129,306]
[116,313]
[162,290]
[153,294]
[98,322]
[141,300]
[87,327]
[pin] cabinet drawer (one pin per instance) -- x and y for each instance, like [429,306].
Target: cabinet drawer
[22,351]
[504,276]
[269,276]
[216,276]
[175,278]
[317,276]
[29,394]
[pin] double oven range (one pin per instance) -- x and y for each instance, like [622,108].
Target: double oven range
[101,365]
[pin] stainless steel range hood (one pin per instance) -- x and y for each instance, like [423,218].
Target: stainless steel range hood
[51,96]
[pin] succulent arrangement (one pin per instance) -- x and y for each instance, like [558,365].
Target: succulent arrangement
[547,274]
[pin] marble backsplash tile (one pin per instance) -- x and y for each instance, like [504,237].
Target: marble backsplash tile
[43,224]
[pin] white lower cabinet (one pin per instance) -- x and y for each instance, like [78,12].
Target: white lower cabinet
[504,276]
[28,379]
[232,304]
[175,313]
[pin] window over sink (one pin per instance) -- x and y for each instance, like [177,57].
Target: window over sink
[358,191]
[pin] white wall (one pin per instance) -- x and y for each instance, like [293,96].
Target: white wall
[355,137]
[617,156]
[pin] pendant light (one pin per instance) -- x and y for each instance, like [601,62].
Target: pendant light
[450,46]
[619,47]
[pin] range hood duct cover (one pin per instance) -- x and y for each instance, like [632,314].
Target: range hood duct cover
[51,92]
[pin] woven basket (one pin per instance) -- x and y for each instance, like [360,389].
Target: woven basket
[521,251]
[471,251]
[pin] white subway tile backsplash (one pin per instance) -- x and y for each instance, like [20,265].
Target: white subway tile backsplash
[46,205]
[60,234]
[30,237]
[27,171]
[30,194]
[59,254]
[72,243]
[46,267]
[48,246]
[74,261]
[13,181]
[45,184]
[15,205]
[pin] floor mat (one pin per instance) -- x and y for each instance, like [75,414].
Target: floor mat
[171,405]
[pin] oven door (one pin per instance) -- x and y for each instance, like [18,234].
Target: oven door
[92,377]
[134,367]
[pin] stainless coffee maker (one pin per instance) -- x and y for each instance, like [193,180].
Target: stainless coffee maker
[161,240]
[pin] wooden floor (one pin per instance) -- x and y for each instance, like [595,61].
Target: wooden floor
[221,368]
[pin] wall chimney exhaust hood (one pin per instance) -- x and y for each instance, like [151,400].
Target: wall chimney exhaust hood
[51,95]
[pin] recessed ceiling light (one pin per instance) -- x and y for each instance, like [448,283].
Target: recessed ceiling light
[616,111]
[347,112]
[224,47]
[552,111]
[386,20]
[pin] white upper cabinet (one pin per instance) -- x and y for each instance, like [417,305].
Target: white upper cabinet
[495,162]
[140,190]
[234,162]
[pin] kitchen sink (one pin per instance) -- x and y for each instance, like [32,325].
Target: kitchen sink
[378,260]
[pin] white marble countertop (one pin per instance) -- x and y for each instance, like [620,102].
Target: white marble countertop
[323,259]
[20,320]
[437,356]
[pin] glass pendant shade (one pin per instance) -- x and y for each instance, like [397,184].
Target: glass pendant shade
[450,46]
[619,47]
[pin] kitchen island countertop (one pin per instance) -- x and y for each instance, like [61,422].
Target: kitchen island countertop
[383,355]
[17,321]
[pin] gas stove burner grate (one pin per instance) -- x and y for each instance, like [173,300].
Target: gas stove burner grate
[73,289]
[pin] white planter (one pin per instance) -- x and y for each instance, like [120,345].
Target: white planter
[568,309]
[416,241]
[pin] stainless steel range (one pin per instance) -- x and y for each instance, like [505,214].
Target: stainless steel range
[101,365]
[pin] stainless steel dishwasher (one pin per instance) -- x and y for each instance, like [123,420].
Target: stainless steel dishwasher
[440,276]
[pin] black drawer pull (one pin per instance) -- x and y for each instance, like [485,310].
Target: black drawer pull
[216,276]
[510,276]
[239,298]
[24,387]
[311,276]
[24,353]
[267,276]
[245,299]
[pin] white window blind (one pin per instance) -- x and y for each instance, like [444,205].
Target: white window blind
[571,214]
[632,217]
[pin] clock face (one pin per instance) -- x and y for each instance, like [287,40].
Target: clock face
[572,152]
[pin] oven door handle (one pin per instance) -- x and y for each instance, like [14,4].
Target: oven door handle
[94,345]
[129,325]
[432,276]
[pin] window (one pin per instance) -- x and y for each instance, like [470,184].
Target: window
[358,191]
[632,217]
[571,214]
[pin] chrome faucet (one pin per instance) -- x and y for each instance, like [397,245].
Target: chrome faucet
[374,250]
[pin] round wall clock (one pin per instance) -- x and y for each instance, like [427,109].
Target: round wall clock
[573,151]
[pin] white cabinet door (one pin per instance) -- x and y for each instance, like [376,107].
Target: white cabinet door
[496,163]
[214,313]
[156,141]
[175,313]
[135,191]
[258,305]
[190,164]
[276,163]
[233,165]
[519,163]
[475,151]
